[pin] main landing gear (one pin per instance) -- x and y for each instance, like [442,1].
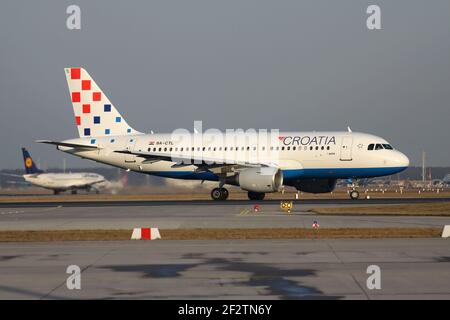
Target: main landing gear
[354,195]
[218,194]
[256,195]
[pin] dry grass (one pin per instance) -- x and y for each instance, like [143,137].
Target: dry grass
[220,234]
[417,209]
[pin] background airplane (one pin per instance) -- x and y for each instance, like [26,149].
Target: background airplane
[309,161]
[59,182]
[446,179]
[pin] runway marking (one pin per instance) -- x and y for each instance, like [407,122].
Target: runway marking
[30,211]
[11,212]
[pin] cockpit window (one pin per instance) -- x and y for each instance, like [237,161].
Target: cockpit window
[379,146]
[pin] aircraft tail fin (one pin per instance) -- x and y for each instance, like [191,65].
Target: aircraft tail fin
[95,115]
[30,167]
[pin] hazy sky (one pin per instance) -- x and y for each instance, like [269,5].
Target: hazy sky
[292,65]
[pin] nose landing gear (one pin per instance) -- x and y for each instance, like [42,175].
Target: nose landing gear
[219,194]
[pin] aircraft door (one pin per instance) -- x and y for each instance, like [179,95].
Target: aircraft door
[129,158]
[346,149]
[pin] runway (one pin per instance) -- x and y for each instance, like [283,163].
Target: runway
[214,215]
[14,203]
[251,269]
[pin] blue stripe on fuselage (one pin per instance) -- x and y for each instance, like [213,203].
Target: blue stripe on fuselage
[332,173]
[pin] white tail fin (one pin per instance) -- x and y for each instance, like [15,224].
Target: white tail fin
[95,115]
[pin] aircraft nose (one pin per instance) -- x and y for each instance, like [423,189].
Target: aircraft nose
[402,160]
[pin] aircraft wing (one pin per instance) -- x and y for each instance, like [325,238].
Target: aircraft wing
[201,162]
[66,144]
[11,175]
[19,183]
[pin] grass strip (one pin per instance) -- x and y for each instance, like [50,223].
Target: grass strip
[221,234]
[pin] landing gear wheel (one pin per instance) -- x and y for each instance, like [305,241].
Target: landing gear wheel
[354,195]
[218,194]
[256,195]
[225,194]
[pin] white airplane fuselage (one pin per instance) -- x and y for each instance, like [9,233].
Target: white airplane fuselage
[300,155]
[64,181]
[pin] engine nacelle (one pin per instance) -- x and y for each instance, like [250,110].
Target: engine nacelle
[264,179]
[316,185]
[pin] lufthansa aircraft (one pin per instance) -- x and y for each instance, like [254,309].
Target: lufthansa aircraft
[59,182]
[256,162]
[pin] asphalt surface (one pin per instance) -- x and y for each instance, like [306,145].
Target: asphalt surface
[214,215]
[156,203]
[256,269]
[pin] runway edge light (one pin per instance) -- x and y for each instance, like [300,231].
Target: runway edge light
[446,231]
[145,234]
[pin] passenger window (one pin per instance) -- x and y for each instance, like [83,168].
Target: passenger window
[370,146]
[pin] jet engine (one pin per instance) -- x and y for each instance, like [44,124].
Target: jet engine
[263,179]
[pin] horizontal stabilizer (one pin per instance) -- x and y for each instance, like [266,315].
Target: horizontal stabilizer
[67,144]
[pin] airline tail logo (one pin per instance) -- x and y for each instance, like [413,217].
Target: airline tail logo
[30,167]
[28,163]
[95,115]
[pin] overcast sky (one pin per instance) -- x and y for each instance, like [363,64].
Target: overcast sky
[292,65]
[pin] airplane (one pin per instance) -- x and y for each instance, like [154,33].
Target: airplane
[59,182]
[446,179]
[309,161]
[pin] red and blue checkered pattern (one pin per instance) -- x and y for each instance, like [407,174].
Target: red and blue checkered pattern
[95,115]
